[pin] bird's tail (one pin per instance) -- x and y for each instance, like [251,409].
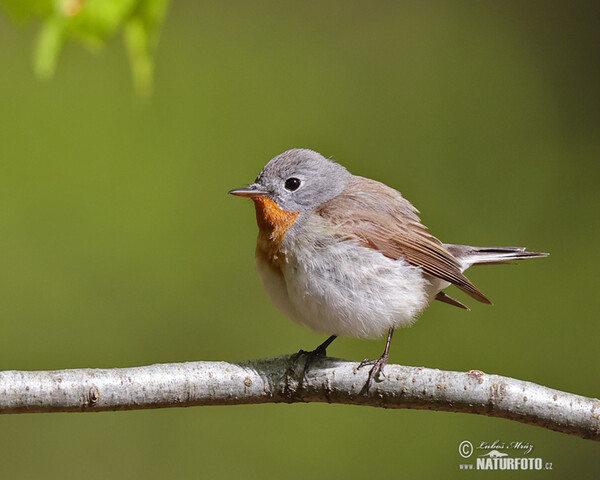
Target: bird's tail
[468,255]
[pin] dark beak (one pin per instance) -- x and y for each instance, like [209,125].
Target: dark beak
[251,191]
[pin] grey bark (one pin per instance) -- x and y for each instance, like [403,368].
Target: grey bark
[282,379]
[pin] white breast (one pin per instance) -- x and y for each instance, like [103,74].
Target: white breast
[342,288]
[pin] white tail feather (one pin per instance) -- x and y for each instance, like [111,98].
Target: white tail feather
[469,256]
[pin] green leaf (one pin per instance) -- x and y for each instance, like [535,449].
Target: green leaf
[97,20]
[49,45]
[93,23]
[136,40]
[141,36]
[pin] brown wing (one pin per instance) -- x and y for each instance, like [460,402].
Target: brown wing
[380,218]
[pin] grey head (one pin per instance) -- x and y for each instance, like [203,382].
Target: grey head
[298,180]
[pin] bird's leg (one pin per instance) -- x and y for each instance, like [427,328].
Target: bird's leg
[320,351]
[379,363]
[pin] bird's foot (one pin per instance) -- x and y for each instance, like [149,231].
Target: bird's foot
[376,369]
[310,357]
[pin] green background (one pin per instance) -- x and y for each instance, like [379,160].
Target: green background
[119,245]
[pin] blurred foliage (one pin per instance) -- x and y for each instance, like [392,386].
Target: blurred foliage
[93,23]
[119,245]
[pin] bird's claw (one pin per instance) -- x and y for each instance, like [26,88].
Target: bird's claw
[311,356]
[376,369]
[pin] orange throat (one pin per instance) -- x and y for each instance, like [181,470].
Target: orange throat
[273,223]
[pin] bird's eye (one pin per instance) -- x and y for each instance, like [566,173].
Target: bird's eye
[292,184]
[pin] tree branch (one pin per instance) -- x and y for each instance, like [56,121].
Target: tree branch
[282,379]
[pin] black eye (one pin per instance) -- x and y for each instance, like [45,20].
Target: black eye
[292,184]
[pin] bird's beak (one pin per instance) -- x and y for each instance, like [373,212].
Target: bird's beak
[251,191]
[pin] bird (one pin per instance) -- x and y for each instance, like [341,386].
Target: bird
[348,256]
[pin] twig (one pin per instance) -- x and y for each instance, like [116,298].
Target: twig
[281,379]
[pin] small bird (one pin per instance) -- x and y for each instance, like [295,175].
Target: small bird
[348,256]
